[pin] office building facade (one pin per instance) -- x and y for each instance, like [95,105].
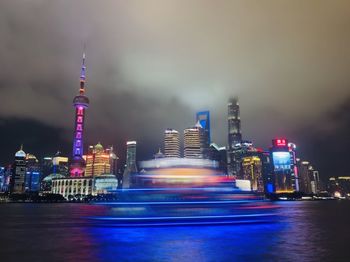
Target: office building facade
[98,161]
[19,172]
[171,143]
[192,142]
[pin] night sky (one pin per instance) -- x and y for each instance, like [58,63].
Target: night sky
[152,64]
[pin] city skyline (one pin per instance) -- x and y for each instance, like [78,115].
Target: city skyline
[276,95]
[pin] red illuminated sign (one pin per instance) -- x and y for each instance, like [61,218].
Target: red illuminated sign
[280,142]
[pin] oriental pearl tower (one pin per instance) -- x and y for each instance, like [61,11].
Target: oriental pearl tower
[81,103]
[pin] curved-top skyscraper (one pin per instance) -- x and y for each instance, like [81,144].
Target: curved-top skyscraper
[81,103]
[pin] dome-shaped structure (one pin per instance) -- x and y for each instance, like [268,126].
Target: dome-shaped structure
[98,147]
[20,153]
[52,176]
[81,100]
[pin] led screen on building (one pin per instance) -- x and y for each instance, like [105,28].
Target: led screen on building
[281,161]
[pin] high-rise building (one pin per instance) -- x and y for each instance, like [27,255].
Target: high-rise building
[192,142]
[252,171]
[131,156]
[81,103]
[130,166]
[171,143]
[98,161]
[305,180]
[218,154]
[46,166]
[315,182]
[234,122]
[281,165]
[33,174]
[60,165]
[19,172]
[204,120]
[234,136]
[294,168]
[2,179]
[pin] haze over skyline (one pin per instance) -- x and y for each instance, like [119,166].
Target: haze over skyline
[153,64]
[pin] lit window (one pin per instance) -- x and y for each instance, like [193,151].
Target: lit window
[78,135]
[78,143]
[80,111]
[80,119]
[79,127]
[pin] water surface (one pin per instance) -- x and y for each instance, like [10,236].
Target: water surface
[307,231]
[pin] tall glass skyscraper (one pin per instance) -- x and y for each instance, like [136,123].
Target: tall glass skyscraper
[81,103]
[33,174]
[131,156]
[171,143]
[234,136]
[234,122]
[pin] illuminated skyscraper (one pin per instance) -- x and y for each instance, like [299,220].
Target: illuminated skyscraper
[281,165]
[234,136]
[131,156]
[81,103]
[60,164]
[252,171]
[33,174]
[171,143]
[192,142]
[294,168]
[234,123]
[19,172]
[98,161]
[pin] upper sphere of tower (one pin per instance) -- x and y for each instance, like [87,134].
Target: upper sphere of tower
[81,100]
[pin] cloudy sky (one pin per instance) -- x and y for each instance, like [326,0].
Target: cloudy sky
[153,64]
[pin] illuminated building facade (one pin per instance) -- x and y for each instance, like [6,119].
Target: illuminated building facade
[72,186]
[234,136]
[81,103]
[84,186]
[46,166]
[192,142]
[294,167]
[240,150]
[60,165]
[171,143]
[131,156]
[315,182]
[281,165]
[33,174]
[98,161]
[305,180]
[339,186]
[252,171]
[218,154]
[309,178]
[19,172]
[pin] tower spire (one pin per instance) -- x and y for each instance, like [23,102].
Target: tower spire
[82,75]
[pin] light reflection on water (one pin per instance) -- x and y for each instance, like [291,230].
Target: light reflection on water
[307,231]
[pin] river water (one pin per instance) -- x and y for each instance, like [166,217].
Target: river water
[305,231]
